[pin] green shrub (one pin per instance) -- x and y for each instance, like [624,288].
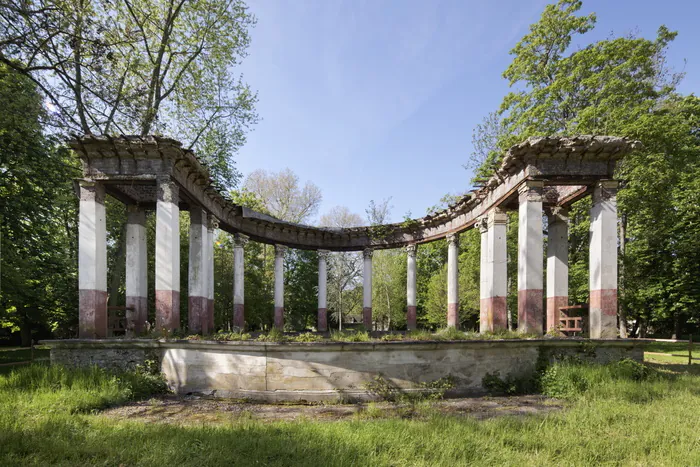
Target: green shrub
[350,336]
[508,386]
[570,379]
[274,335]
[230,336]
[307,337]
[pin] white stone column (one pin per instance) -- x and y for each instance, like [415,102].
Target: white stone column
[212,225]
[497,264]
[280,250]
[367,289]
[484,276]
[557,264]
[322,323]
[603,261]
[136,270]
[167,256]
[239,242]
[530,258]
[197,287]
[453,280]
[92,261]
[411,287]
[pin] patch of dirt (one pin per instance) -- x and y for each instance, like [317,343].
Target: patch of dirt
[195,409]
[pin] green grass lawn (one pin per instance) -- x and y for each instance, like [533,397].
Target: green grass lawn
[619,414]
[22,354]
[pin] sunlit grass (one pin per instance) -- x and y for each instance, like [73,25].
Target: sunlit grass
[616,414]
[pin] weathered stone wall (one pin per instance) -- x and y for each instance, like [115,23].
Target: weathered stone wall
[333,371]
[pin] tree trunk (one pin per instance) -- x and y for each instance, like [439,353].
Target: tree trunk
[676,326]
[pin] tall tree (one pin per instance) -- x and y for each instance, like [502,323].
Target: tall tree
[139,67]
[38,235]
[283,196]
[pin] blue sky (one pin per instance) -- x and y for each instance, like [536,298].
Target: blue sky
[373,99]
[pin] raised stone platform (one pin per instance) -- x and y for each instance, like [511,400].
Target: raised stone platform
[333,371]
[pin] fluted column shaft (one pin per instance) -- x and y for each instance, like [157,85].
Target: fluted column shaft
[557,264]
[167,256]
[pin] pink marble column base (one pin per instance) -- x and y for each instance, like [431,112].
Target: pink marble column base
[167,310]
[92,314]
[411,318]
[279,317]
[530,311]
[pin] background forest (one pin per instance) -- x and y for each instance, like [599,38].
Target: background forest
[140,67]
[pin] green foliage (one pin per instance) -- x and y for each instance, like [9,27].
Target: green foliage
[508,386]
[37,218]
[273,335]
[230,336]
[350,336]
[55,388]
[570,380]
[385,390]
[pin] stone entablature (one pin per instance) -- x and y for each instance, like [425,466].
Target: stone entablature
[333,371]
[129,166]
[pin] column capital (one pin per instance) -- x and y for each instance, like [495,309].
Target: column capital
[412,250]
[280,250]
[497,216]
[240,240]
[452,238]
[531,190]
[557,214]
[482,224]
[212,222]
[323,254]
[135,214]
[367,252]
[605,189]
[90,190]
[168,190]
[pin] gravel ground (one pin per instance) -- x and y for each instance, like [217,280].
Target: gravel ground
[193,409]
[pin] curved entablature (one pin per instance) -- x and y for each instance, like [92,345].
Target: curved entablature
[130,168]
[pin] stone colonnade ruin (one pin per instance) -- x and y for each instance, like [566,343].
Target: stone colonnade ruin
[542,175]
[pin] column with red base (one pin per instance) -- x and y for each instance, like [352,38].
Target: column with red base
[92,261]
[367,289]
[530,258]
[239,242]
[167,256]
[411,288]
[603,261]
[452,280]
[280,250]
[322,323]
[557,264]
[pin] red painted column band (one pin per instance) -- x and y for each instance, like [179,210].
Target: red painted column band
[367,317]
[167,309]
[198,321]
[453,314]
[530,311]
[239,315]
[93,314]
[279,317]
[137,317]
[323,319]
[411,324]
[553,313]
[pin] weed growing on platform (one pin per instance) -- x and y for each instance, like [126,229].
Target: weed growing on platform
[231,336]
[350,336]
